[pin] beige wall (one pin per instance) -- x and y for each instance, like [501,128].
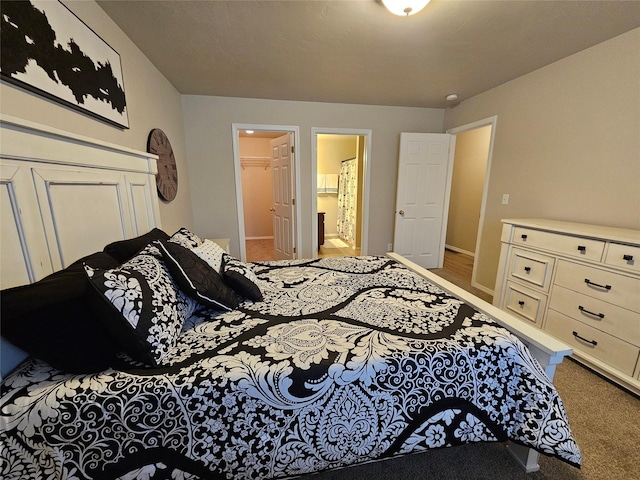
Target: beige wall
[152,102]
[332,149]
[469,171]
[257,191]
[567,143]
[208,130]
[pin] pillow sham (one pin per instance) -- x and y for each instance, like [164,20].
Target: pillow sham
[196,277]
[52,319]
[211,253]
[141,306]
[186,238]
[123,250]
[239,276]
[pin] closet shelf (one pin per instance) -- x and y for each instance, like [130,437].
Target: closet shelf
[249,161]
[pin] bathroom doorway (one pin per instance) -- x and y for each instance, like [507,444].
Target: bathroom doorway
[340,199]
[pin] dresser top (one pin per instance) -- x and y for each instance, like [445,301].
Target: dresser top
[621,235]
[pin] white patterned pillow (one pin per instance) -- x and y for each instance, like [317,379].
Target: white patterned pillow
[143,309]
[211,253]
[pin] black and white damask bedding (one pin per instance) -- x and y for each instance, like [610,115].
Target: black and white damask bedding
[345,360]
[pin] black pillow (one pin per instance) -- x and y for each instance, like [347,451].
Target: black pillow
[124,250]
[196,277]
[239,276]
[52,320]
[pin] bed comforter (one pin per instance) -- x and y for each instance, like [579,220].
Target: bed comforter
[346,360]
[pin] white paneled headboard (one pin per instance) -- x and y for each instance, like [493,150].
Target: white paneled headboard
[65,196]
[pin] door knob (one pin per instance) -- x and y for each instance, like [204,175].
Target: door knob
[401,212]
[272,209]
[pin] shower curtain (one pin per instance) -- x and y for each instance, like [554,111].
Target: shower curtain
[347,200]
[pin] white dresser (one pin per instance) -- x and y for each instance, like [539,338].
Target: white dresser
[581,284]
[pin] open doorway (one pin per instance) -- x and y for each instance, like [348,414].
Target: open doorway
[467,200]
[340,196]
[267,183]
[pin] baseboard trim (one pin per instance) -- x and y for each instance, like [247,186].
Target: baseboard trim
[459,250]
[483,288]
[258,238]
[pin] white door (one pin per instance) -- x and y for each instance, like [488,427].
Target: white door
[282,150]
[424,178]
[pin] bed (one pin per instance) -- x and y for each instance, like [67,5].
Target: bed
[264,370]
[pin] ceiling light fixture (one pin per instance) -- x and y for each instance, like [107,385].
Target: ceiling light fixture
[404,8]
[248,131]
[452,97]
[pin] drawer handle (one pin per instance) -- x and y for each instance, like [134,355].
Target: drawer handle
[591,284]
[582,249]
[524,237]
[591,342]
[584,310]
[521,303]
[627,258]
[527,269]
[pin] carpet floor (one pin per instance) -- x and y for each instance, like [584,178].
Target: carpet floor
[260,250]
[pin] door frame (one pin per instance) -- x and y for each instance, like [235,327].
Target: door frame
[464,128]
[284,129]
[360,132]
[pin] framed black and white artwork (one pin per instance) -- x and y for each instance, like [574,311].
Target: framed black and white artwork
[46,49]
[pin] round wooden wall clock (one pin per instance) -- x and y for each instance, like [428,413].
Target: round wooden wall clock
[167,178]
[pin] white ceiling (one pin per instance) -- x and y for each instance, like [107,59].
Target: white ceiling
[355,51]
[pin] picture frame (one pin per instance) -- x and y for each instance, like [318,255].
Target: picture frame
[48,50]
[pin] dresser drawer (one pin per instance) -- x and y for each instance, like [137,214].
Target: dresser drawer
[613,351]
[619,322]
[624,256]
[584,248]
[533,268]
[608,286]
[524,302]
